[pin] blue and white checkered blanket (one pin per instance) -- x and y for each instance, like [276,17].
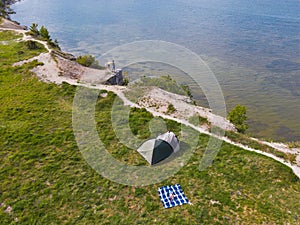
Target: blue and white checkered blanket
[172,196]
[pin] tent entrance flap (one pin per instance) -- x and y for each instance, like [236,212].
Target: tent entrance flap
[162,150]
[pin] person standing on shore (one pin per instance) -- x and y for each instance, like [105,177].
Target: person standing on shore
[113,66]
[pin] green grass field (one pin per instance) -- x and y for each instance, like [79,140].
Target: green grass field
[45,180]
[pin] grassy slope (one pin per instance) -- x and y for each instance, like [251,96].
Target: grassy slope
[45,180]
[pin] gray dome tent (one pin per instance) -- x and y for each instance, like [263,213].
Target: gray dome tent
[156,150]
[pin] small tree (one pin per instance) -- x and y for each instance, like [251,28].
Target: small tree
[45,34]
[33,30]
[238,117]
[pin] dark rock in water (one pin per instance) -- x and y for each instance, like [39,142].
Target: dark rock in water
[283,66]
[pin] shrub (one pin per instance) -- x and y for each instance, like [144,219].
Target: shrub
[171,109]
[238,117]
[187,90]
[295,144]
[198,120]
[89,61]
[86,60]
[54,44]
[126,81]
[31,45]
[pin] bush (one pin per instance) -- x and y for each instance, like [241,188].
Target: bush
[238,117]
[171,109]
[198,120]
[54,44]
[188,91]
[126,81]
[86,60]
[89,61]
[31,45]
[294,144]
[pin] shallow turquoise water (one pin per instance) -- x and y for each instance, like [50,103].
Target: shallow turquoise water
[251,46]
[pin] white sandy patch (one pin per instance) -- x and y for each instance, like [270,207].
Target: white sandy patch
[158,100]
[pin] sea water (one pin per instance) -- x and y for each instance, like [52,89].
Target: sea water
[252,47]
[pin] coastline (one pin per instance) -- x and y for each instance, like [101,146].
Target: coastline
[272,116]
[76,74]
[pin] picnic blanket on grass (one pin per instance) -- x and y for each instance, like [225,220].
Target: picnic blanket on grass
[172,196]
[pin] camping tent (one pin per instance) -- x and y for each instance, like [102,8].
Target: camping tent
[156,150]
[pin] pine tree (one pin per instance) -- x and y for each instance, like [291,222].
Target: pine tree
[5,10]
[34,30]
[45,34]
